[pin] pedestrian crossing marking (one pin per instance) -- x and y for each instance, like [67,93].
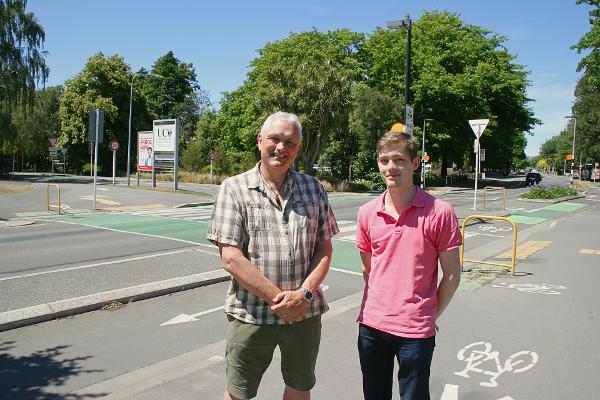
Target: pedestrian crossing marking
[527,249]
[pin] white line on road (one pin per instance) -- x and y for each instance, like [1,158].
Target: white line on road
[450,392]
[104,263]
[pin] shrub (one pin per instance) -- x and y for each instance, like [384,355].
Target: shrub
[549,192]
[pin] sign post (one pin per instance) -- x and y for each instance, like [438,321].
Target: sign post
[211,157]
[478,126]
[166,148]
[95,131]
[114,146]
[64,153]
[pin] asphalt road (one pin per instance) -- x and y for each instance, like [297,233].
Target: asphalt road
[525,337]
[133,352]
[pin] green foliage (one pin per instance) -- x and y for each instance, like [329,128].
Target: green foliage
[309,74]
[103,83]
[22,62]
[460,72]
[33,126]
[591,42]
[550,192]
[172,91]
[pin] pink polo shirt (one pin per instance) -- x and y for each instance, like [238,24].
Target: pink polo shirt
[400,296]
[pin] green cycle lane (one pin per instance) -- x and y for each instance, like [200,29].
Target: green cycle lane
[552,211]
[345,256]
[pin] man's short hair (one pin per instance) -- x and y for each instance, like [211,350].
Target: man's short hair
[282,116]
[409,142]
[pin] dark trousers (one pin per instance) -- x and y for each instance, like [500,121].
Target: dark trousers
[377,350]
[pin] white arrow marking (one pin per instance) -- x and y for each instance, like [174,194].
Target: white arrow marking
[190,318]
[181,318]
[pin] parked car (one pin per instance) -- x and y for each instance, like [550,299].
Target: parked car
[533,178]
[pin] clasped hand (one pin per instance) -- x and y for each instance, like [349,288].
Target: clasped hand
[289,305]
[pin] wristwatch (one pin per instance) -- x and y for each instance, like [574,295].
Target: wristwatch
[308,296]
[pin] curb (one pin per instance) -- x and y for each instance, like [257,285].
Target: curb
[77,305]
[189,205]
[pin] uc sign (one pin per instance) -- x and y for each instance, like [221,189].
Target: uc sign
[165,133]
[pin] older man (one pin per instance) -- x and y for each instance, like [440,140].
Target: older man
[273,227]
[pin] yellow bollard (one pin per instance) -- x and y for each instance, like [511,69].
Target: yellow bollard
[512,265]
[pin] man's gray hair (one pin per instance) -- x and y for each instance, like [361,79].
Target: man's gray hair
[282,116]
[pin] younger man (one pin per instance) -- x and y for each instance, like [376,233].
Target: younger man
[401,235]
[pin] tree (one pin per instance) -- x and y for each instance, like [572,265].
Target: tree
[32,127]
[460,72]
[104,83]
[176,94]
[22,62]
[591,41]
[309,74]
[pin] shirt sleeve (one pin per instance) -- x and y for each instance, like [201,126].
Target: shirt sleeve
[327,223]
[363,241]
[226,224]
[448,232]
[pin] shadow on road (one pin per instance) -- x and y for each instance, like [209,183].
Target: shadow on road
[27,377]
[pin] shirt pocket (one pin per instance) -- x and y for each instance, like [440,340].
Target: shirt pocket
[258,217]
[307,214]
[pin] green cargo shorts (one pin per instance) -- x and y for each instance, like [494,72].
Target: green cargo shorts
[249,352]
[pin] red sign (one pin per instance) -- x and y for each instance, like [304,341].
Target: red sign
[113,145]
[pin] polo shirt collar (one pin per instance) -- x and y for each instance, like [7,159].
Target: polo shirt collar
[418,200]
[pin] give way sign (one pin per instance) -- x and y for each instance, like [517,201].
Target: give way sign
[478,126]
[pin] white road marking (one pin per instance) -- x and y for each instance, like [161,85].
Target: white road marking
[100,264]
[450,392]
[182,318]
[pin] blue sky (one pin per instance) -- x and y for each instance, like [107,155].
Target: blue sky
[220,38]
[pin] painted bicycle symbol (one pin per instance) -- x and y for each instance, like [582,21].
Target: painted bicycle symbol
[494,229]
[479,353]
[542,288]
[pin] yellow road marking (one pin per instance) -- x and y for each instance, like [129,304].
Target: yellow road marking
[589,251]
[99,200]
[527,249]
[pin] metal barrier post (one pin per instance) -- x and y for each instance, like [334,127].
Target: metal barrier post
[512,265]
[48,205]
[485,189]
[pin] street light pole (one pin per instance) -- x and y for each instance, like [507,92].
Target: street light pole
[573,151]
[405,23]
[129,134]
[423,153]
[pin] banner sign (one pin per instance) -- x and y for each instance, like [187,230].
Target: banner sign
[165,135]
[145,151]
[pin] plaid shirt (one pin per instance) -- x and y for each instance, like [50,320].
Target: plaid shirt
[278,239]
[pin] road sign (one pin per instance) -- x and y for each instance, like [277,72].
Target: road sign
[478,126]
[482,155]
[409,119]
[96,120]
[52,151]
[64,150]
[52,141]
[114,145]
